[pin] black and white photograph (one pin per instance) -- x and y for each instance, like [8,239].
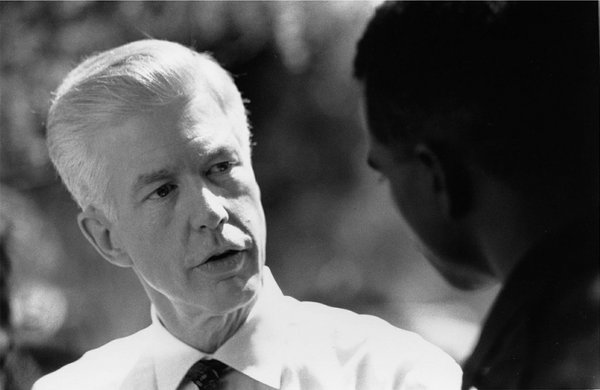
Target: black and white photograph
[299,195]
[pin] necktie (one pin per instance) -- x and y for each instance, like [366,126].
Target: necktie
[206,374]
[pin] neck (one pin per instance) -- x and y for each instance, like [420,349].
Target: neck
[507,226]
[200,329]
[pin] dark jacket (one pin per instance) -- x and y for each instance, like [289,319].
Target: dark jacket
[543,331]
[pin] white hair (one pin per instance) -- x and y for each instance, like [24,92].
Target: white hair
[107,88]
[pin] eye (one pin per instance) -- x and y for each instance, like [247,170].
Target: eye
[162,191]
[221,167]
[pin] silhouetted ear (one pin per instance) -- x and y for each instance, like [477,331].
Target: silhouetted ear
[449,179]
[101,233]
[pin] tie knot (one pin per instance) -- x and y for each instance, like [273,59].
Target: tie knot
[206,374]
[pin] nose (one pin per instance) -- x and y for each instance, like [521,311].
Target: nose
[209,211]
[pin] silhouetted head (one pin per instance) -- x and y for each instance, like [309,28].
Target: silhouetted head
[507,89]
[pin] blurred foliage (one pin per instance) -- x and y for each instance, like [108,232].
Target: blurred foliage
[332,234]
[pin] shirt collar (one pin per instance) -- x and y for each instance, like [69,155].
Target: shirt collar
[172,357]
[254,350]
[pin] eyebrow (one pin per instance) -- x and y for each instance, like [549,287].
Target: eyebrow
[151,177]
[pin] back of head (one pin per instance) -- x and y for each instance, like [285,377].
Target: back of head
[509,86]
[112,86]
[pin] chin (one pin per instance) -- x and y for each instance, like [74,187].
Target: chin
[235,296]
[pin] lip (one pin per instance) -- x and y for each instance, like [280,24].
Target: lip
[221,251]
[225,262]
[219,256]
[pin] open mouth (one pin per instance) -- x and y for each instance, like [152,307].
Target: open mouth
[221,256]
[229,263]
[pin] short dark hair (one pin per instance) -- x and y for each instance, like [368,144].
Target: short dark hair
[513,86]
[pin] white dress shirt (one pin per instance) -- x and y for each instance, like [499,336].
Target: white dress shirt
[284,344]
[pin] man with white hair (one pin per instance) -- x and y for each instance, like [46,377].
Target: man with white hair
[152,140]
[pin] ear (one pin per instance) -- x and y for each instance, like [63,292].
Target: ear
[449,179]
[102,234]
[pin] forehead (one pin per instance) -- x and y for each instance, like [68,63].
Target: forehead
[174,135]
[181,121]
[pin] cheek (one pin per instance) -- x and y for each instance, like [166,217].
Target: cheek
[246,212]
[417,204]
[154,252]
[148,234]
[247,203]
[248,209]
[405,195]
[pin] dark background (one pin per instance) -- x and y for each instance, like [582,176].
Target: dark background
[333,234]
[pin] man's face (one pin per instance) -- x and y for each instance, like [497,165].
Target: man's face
[443,241]
[189,215]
